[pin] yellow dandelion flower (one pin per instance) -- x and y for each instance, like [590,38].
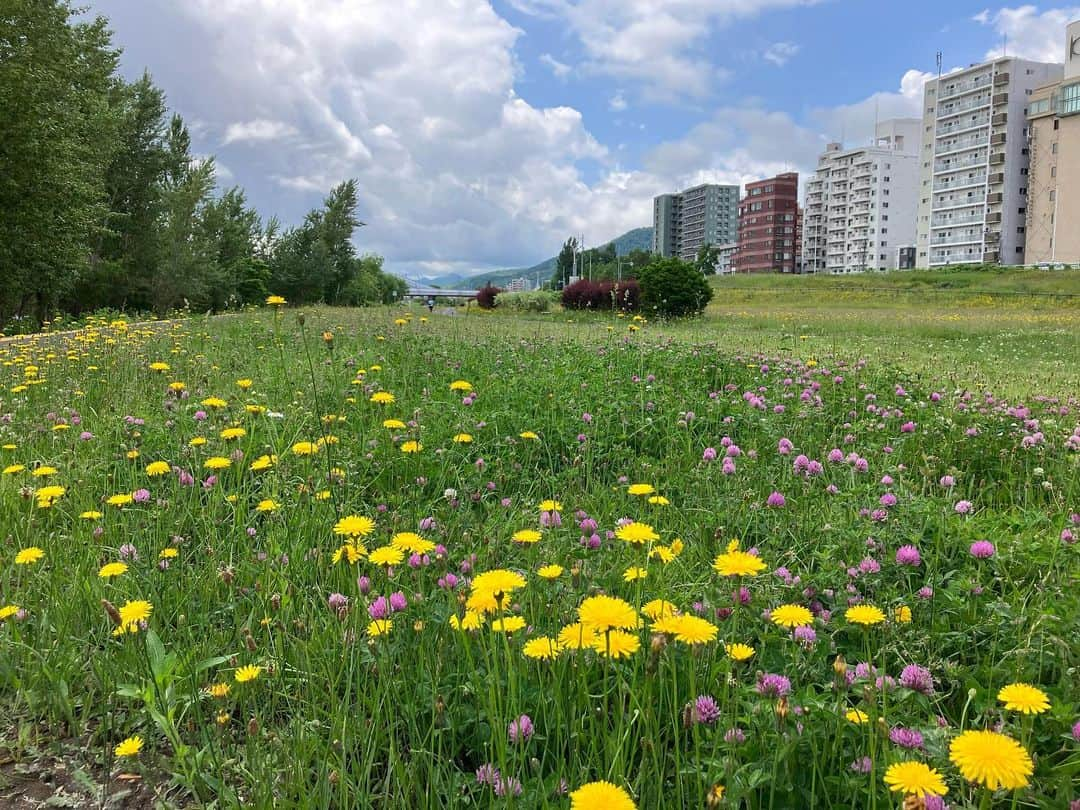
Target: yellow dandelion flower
[305,449]
[637,533]
[549,506]
[264,462]
[529,435]
[633,573]
[739,652]
[577,636]
[11,469]
[508,624]
[7,611]
[549,571]
[382,398]
[44,471]
[857,716]
[694,630]
[601,796]
[617,644]
[233,433]
[658,608]
[113,569]
[462,438]
[1024,698]
[29,555]
[640,489]
[275,301]
[247,673]
[385,555]
[217,463]
[379,627]
[411,446]
[542,648]
[791,616]
[527,536]
[866,615]
[156,468]
[129,747]
[915,779]
[393,424]
[354,526]
[461,385]
[412,543]
[218,690]
[603,613]
[267,505]
[991,759]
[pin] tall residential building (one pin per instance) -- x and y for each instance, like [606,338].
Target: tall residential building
[1053,210]
[769,219]
[683,222]
[861,203]
[974,165]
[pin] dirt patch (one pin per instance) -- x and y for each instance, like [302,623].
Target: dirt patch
[63,780]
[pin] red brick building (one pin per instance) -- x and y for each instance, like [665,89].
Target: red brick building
[769,226]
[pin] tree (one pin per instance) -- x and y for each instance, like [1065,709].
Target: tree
[56,139]
[707,257]
[565,263]
[673,288]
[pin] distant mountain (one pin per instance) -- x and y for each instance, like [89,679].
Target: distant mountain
[637,239]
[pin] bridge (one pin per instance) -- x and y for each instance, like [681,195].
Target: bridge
[423,291]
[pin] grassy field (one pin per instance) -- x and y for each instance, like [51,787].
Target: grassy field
[777,557]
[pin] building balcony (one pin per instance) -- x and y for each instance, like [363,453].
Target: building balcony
[997,139]
[997,158]
[996,178]
[967,202]
[956,127]
[963,106]
[1000,98]
[993,218]
[999,119]
[962,145]
[967,239]
[962,88]
[960,182]
[1001,79]
[994,198]
[955,221]
[957,165]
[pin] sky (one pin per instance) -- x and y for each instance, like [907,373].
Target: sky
[483,133]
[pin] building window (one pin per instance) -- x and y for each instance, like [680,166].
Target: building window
[1053,171]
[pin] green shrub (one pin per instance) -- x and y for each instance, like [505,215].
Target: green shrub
[533,301]
[673,288]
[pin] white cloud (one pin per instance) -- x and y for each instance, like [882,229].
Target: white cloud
[559,69]
[617,102]
[780,52]
[1029,33]
[656,43]
[854,123]
[982,17]
[258,130]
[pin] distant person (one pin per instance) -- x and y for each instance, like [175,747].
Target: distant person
[430,304]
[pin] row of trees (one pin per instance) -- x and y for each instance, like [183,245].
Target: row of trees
[596,264]
[104,204]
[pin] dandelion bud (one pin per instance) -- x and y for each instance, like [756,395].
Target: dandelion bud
[253,727]
[914,803]
[250,642]
[839,666]
[300,318]
[715,796]
[333,777]
[328,338]
[275,601]
[782,708]
[113,613]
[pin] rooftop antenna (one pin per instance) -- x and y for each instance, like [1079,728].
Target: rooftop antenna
[939,64]
[1004,44]
[874,138]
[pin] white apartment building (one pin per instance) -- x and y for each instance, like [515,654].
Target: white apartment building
[860,205]
[974,165]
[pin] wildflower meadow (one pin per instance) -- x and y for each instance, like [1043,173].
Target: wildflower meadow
[343,559]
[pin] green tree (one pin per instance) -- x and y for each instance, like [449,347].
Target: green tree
[57,131]
[673,288]
[707,256]
[564,264]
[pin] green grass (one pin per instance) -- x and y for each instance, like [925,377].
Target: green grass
[337,718]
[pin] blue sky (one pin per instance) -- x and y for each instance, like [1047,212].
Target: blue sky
[483,132]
